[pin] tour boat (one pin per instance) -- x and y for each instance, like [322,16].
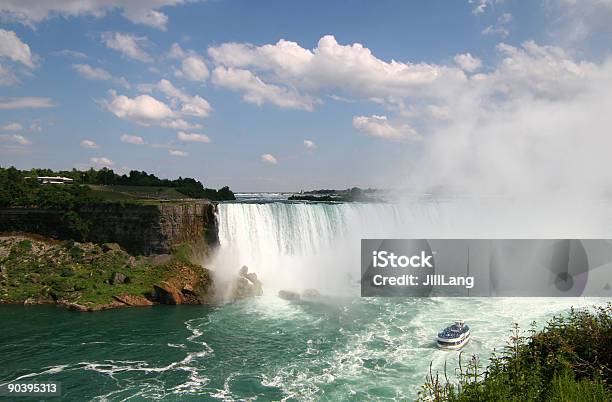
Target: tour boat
[454,336]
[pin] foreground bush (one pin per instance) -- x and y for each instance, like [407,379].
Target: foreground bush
[569,360]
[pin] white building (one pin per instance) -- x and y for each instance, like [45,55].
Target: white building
[54,180]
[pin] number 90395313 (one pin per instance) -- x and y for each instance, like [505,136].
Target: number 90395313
[43,388]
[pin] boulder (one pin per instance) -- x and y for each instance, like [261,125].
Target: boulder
[29,301]
[73,306]
[192,294]
[288,295]
[243,271]
[311,294]
[167,294]
[106,247]
[252,277]
[118,278]
[131,261]
[132,300]
[243,288]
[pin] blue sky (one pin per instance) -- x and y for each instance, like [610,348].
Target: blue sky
[205,88]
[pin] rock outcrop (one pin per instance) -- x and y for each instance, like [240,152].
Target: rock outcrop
[289,295]
[133,300]
[245,285]
[139,229]
[311,294]
[84,277]
[167,294]
[118,278]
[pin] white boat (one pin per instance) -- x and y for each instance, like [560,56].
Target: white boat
[454,337]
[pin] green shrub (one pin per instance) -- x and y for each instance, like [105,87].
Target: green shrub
[569,360]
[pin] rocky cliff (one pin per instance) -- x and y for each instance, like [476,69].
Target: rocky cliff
[140,229]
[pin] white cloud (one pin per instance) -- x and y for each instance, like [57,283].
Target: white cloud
[258,92]
[180,124]
[421,95]
[151,18]
[191,105]
[541,71]
[89,144]
[101,161]
[88,71]
[70,53]
[480,6]
[192,137]
[13,48]
[467,62]
[193,68]
[12,127]
[379,126]
[536,124]
[268,158]
[36,127]
[176,51]
[143,109]
[310,144]
[196,106]
[27,102]
[99,74]
[132,139]
[281,72]
[20,139]
[500,27]
[7,77]
[31,12]
[176,152]
[127,44]
[575,21]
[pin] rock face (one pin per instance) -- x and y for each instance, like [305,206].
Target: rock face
[167,294]
[139,229]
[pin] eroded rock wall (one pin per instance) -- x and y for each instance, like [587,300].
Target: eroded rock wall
[139,229]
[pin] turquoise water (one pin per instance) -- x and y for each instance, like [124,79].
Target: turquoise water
[264,348]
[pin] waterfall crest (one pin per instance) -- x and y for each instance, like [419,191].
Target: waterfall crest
[300,245]
[317,245]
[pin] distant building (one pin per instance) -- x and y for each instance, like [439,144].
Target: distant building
[54,180]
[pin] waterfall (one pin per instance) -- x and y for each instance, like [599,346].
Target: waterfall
[301,245]
[317,245]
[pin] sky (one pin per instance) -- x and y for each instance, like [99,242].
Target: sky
[482,95]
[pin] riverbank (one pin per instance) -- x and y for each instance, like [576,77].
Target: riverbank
[93,277]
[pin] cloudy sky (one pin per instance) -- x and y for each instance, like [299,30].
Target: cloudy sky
[276,95]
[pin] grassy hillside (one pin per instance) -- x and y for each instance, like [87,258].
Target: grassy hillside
[40,270]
